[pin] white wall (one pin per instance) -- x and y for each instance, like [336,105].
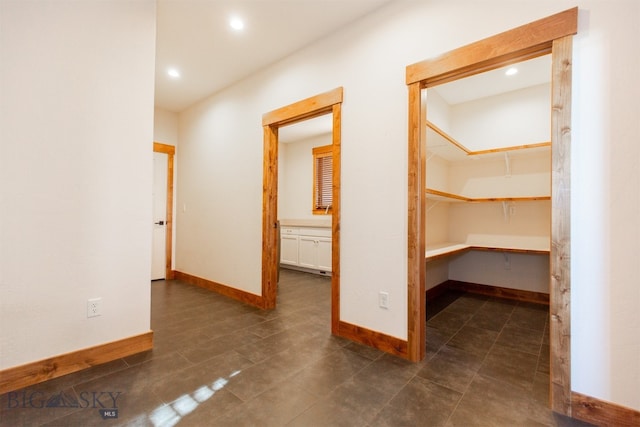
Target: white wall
[486,224]
[517,117]
[165,126]
[528,174]
[165,131]
[220,179]
[437,272]
[76,135]
[295,191]
[605,298]
[525,272]
[438,110]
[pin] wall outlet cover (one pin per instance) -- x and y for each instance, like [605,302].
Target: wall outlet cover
[94,307]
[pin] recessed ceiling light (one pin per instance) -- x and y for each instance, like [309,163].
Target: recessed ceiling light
[173,73]
[236,23]
[511,71]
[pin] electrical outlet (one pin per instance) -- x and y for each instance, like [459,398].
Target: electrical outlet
[383,299]
[94,307]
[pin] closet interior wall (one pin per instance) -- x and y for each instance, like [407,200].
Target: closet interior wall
[506,211]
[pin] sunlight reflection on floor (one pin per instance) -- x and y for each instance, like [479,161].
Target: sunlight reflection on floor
[169,415]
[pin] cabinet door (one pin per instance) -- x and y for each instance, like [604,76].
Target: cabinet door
[324,254]
[308,252]
[289,249]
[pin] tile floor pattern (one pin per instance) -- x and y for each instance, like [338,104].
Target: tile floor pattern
[217,362]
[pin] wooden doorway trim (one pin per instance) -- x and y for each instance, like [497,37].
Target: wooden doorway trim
[315,106]
[170,151]
[548,35]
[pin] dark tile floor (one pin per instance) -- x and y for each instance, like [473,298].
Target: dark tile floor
[217,362]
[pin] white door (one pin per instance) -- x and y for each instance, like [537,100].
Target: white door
[158,253]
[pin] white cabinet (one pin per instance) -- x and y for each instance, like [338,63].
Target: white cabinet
[307,251]
[324,253]
[289,246]
[314,252]
[306,247]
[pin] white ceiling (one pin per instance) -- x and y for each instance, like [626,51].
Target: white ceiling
[306,129]
[194,37]
[530,73]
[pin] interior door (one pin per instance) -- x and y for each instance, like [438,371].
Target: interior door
[158,252]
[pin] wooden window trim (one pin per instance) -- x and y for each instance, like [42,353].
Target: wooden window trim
[318,153]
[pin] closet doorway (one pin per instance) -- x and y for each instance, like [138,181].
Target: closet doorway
[163,221]
[551,35]
[488,183]
[328,103]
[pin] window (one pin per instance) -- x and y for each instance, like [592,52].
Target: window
[322,179]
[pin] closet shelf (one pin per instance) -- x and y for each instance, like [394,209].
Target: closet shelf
[446,146]
[449,249]
[450,197]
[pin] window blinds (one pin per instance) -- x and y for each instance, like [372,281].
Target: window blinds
[323,177]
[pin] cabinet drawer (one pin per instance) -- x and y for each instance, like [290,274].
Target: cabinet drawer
[315,232]
[289,230]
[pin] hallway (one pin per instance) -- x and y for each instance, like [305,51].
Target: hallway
[217,362]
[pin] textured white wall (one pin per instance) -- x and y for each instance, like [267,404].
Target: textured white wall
[165,131]
[165,126]
[75,173]
[438,111]
[220,179]
[486,224]
[514,118]
[507,270]
[295,191]
[605,298]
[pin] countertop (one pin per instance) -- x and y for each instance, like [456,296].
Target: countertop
[323,223]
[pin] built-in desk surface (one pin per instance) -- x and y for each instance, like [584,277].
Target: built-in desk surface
[448,248]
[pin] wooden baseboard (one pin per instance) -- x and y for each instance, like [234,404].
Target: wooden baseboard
[228,291]
[437,290]
[602,413]
[36,372]
[496,291]
[378,340]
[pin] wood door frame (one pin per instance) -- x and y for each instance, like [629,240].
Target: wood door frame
[325,103]
[170,151]
[554,35]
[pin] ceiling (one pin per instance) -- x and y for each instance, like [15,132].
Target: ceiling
[195,38]
[530,73]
